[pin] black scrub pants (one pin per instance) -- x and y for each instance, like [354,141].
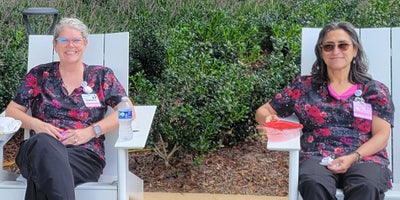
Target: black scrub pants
[53,170]
[366,181]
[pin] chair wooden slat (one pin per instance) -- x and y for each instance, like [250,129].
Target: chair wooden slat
[40,50]
[94,54]
[116,42]
[396,97]
[309,38]
[378,53]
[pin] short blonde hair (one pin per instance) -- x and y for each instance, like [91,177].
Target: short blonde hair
[74,23]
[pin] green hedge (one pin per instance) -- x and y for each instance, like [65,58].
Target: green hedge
[207,65]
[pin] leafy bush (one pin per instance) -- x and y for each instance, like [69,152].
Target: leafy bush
[10,66]
[208,65]
[207,88]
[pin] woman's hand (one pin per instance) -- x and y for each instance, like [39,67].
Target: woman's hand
[271,118]
[342,164]
[260,127]
[77,136]
[43,127]
[264,113]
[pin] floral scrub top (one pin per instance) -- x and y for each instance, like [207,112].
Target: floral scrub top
[330,127]
[43,92]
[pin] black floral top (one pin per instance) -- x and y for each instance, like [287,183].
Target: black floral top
[330,127]
[43,92]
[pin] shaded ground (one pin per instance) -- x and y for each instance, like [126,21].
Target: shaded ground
[247,168]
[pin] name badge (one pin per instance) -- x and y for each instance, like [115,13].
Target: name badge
[362,110]
[91,100]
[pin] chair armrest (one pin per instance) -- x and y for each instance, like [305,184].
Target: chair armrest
[293,146]
[128,183]
[142,125]
[290,145]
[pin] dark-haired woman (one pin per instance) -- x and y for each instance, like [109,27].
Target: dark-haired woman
[347,118]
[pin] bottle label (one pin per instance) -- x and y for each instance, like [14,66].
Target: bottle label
[125,114]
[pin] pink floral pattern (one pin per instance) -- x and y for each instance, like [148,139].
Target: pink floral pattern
[330,128]
[42,91]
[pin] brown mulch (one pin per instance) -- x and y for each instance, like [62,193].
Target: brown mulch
[247,168]
[10,151]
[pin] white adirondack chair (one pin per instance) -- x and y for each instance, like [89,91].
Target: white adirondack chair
[117,182]
[382,46]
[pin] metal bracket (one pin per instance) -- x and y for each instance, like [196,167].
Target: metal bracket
[39,11]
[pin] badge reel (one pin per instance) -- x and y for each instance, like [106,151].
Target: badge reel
[358,98]
[86,88]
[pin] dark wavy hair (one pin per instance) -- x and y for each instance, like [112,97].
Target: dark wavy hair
[359,65]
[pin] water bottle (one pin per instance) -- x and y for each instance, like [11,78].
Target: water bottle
[125,120]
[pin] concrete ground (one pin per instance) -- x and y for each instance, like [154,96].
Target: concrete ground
[199,196]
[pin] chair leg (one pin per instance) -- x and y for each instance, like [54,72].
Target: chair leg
[122,169]
[293,174]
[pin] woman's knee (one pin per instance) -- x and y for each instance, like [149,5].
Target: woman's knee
[368,185]
[315,177]
[317,181]
[365,189]
[40,143]
[315,187]
[41,137]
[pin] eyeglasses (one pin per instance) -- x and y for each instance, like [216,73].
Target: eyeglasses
[331,47]
[75,41]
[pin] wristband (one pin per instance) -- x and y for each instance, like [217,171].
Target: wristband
[358,156]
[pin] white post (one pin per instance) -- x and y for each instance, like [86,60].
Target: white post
[293,174]
[122,169]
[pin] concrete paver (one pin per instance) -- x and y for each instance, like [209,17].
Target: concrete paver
[206,196]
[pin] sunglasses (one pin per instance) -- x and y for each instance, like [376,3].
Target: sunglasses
[331,47]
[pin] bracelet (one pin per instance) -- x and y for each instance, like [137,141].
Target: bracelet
[358,156]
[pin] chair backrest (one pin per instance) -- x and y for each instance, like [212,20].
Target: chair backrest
[111,50]
[382,46]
